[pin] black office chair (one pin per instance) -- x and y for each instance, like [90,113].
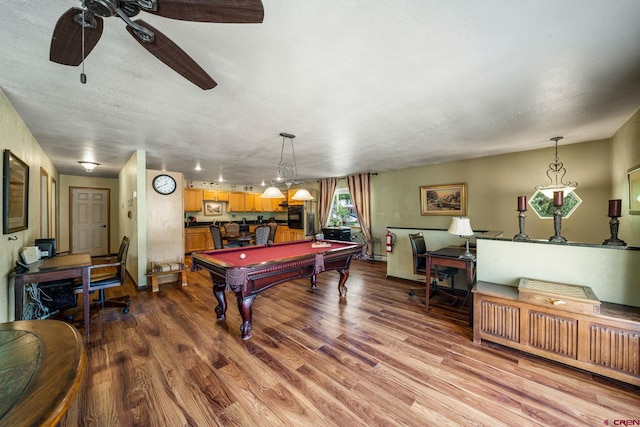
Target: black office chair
[106,274]
[216,236]
[419,248]
[262,234]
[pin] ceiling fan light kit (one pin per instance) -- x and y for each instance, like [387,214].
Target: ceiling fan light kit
[78,30]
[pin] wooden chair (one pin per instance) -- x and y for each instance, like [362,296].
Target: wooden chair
[108,275]
[216,236]
[419,249]
[272,235]
[262,234]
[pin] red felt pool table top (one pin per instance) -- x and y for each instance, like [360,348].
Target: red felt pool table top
[259,254]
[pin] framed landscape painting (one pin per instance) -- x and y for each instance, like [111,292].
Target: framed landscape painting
[450,199]
[212,208]
[634,190]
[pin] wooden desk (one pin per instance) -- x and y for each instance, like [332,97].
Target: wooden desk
[42,364]
[450,257]
[55,268]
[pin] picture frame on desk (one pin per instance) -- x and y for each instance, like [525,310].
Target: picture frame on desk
[449,199]
[633,175]
[15,195]
[212,208]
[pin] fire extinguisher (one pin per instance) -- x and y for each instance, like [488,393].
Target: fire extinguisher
[391,241]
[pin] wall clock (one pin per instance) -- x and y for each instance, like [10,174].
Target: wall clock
[164,184]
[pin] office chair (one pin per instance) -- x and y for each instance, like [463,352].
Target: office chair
[419,249]
[262,234]
[101,280]
[216,236]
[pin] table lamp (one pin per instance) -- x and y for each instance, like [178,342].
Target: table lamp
[462,227]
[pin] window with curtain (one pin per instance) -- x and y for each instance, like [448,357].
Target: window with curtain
[342,210]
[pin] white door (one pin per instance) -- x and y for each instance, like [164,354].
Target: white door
[90,221]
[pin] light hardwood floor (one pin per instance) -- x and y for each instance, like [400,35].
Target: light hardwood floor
[372,359]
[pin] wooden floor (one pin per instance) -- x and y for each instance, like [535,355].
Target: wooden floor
[372,359]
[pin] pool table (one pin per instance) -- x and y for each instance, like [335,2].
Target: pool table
[250,270]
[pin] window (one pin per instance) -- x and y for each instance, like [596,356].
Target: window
[343,212]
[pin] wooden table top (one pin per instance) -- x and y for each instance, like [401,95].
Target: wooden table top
[42,363]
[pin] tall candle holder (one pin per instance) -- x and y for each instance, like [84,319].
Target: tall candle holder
[615,210]
[557,218]
[522,207]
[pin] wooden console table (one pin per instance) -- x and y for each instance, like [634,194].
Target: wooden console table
[42,364]
[606,343]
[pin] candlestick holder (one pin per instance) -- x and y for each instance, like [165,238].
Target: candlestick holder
[557,225]
[613,240]
[521,235]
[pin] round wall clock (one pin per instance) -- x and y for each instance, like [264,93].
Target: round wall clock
[164,184]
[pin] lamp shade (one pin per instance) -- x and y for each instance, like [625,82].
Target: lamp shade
[460,226]
[302,194]
[272,193]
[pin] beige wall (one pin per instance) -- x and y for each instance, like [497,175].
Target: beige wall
[68,181]
[132,214]
[493,185]
[165,225]
[626,155]
[15,136]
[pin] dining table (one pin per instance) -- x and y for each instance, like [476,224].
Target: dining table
[242,238]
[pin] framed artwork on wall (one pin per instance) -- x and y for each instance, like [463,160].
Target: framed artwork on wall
[15,194]
[634,190]
[212,208]
[450,199]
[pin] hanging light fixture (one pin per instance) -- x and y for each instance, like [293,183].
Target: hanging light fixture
[556,175]
[89,166]
[287,174]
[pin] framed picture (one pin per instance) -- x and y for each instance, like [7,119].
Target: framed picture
[212,208]
[634,190]
[15,194]
[448,199]
[544,208]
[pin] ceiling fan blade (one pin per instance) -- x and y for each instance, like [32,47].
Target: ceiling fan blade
[220,11]
[173,56]
[66,43]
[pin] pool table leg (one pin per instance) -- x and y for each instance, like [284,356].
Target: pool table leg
[344,275]
[218,292]
[244,306]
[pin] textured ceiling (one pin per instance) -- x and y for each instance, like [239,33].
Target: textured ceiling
[365,86]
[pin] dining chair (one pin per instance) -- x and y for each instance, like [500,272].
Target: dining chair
[262,234]
[419,249]
[216,236]
[231,228]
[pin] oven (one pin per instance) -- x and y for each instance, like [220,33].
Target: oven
[295,217]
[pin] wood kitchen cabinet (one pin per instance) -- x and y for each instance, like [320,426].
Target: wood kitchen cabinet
[237,202]
[286,234]
[192,199]
[216,195]
[197,239]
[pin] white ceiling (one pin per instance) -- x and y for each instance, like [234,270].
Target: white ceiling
[365,86]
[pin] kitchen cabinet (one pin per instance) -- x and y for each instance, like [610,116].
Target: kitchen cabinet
[192,199]
[237,202]
[275,205]
[286,234]
[263,204]
[216,195]
[197,239]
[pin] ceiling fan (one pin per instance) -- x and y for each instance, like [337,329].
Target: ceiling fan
[67,41]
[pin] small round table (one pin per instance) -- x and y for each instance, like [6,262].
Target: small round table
[42,363]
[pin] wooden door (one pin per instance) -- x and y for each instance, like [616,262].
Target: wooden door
[90,221]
